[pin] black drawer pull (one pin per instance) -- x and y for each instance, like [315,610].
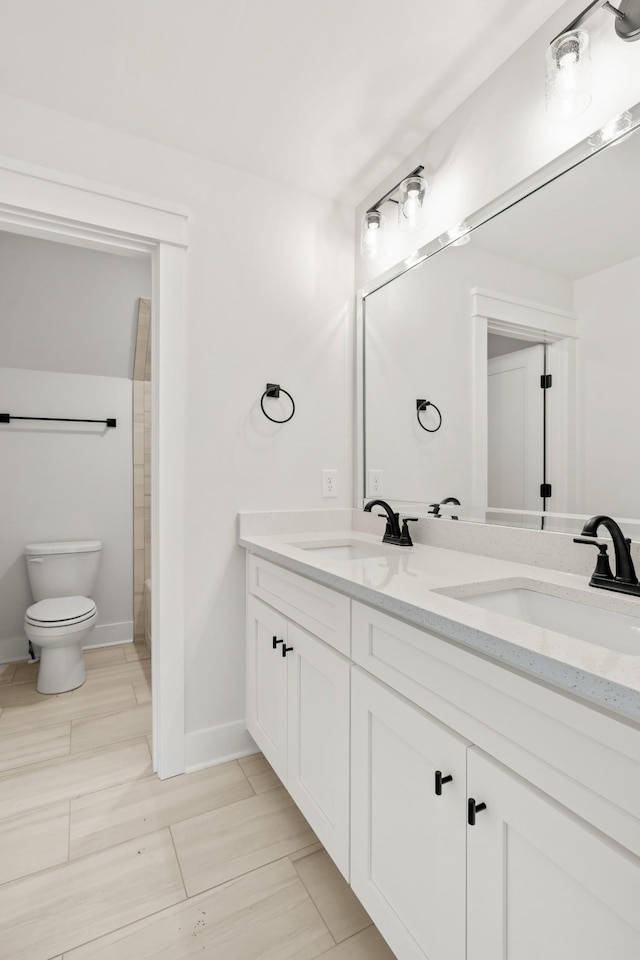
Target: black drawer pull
[474,808]
[276,642]
[285,650]
[440,780]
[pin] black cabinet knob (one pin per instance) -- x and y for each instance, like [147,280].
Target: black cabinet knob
[440,780]
[285,650]
[275,642]
[472,809]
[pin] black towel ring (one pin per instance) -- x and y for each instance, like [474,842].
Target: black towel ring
[274,390]
[422,405]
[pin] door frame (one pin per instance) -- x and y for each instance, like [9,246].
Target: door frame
[509,316]
[52,205]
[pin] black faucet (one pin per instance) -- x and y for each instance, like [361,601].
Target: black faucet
[392,533]
[625,580]
[450,500]
[435,507]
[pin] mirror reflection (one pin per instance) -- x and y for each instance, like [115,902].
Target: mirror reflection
[526,341]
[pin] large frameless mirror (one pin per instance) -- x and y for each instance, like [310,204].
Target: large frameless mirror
[503,371]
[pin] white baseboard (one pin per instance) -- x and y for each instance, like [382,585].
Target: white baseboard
[14,648]
[104,635]
[214,745]
[109,634]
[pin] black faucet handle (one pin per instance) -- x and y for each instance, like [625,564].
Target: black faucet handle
[435,509]
[603,568]
[405,536]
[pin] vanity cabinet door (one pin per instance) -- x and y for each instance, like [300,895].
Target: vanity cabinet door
[407,842]
[267,683]
[541,882]
[318,756]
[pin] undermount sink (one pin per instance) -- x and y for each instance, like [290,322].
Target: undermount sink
[606,628]
[343,549]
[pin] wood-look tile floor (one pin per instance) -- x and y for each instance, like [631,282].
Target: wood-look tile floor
[100,860]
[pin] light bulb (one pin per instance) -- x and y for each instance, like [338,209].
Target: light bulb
[371,239]
[568,75]
[567,53]
[413,191]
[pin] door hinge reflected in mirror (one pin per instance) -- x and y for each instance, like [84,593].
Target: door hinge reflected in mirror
[545,489]
[546,380]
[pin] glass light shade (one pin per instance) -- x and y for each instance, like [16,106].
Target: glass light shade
[412,194]
[457,236]
[372,234]
[614,130]
[568,75]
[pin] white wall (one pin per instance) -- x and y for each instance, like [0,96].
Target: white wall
[608,453]
[269,291]
[67,308]
[418,341]
[269,280]
[66,482]
[501,135]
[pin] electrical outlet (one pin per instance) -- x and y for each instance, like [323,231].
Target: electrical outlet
[329,483]
[374,485]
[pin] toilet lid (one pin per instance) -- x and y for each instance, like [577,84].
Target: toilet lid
[61,610]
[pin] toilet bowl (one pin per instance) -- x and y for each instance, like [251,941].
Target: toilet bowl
[62,576]
[60,628]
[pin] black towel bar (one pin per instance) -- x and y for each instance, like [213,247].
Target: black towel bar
[8,417]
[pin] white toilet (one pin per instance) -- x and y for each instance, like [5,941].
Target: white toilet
[62,577]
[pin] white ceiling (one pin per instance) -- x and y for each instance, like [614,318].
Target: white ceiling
[328,95]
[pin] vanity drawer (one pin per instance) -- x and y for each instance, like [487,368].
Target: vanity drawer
[323,612]
[586,759]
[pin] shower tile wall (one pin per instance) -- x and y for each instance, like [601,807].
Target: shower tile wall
[142,468]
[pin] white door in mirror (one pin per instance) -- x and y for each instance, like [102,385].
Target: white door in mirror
[516,429]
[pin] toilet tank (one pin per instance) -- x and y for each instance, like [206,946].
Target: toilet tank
[64,569]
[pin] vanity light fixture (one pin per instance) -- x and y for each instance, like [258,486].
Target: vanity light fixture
[616,129]
[408,194]
[568,76]
[371,238]
[568,71]
[457,236]
[413,191]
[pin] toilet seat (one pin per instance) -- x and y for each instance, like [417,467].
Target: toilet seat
[60,611]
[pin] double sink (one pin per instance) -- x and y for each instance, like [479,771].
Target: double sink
[615,631]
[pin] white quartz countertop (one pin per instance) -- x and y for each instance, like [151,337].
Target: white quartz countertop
[407,582]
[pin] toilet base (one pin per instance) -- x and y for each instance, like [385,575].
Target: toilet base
[61,669]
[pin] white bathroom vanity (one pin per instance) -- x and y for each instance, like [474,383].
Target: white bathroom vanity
[475,775]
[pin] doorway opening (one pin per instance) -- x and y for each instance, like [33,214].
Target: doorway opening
[45,203]
[523,382]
